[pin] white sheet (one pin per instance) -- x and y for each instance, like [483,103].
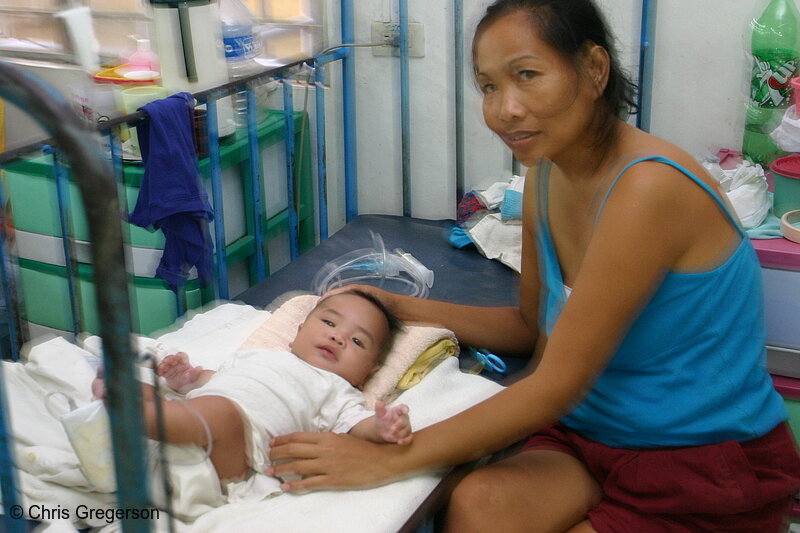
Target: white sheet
[49,468]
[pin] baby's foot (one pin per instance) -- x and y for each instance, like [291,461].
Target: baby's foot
[98,385]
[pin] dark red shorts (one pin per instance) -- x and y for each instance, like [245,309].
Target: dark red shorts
[733,487]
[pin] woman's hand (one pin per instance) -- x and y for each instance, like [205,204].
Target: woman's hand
[331,461]
[386,297]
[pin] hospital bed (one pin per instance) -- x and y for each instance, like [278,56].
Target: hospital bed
[461,276]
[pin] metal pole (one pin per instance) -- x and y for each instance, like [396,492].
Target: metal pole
[646,60]
[63,207]
[220,266]
[322,177]
[458,25]
[288,142]
[349,113]
[254,182]
[405,121]
[8,293]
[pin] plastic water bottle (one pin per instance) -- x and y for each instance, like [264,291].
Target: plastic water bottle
[242,45]
[774,44]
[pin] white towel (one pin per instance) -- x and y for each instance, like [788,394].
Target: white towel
[499,240]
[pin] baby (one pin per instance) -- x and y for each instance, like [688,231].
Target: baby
[260,394]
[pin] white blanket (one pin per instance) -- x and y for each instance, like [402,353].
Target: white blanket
[49,473]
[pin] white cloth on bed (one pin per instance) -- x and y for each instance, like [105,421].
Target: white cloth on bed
[443,393]
[51,475]
[278,393]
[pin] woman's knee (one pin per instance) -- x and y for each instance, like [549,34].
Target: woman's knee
[534,491]
[478,488]
[475,501]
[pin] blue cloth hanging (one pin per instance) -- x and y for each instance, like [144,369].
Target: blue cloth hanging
[171,195]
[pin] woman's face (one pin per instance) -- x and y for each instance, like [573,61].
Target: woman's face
[534,99]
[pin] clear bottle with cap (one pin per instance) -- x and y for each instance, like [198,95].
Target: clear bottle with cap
[242,45]
[775,48]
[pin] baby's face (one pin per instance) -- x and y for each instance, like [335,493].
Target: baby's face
[345,334]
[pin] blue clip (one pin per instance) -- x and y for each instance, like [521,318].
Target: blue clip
[489,360]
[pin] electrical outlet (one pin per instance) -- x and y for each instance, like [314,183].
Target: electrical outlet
[389,34]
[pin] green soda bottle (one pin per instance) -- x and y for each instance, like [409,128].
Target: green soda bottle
[774,44]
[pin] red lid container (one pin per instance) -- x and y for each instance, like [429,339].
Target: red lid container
[788,167]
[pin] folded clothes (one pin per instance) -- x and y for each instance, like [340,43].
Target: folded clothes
[499,240]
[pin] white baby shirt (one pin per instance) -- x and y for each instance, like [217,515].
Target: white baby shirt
[278,393]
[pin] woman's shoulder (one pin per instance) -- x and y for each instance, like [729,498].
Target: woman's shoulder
[655,166]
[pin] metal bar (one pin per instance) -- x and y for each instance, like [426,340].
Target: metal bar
[116,158]
[8,476]
[8,294]
[349,113]
[98,187]
[646,63]
[180,296]
[11,519]
[220,266]
[288,142]
[254,182]
[132,118]
[63,207]
[458,26]
[322,176]
[405,121]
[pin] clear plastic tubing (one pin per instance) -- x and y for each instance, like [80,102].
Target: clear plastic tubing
[368,265]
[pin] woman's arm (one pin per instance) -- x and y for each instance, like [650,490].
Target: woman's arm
[621,269]
[505,330]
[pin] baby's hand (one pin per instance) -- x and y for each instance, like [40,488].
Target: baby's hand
[393,424]
[178,372]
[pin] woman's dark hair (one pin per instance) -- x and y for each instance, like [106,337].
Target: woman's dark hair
[567,26]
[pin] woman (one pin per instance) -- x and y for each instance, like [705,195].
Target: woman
[649,407]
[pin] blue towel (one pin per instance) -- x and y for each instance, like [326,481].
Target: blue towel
[171,195]
[511,208]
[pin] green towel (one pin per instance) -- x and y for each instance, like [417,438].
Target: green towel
[769,229]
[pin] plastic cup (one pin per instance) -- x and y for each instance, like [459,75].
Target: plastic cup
[786,185]
[134,98]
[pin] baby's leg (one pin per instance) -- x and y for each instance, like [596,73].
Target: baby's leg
[182,425]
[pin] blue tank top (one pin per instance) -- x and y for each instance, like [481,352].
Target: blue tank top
[691,369]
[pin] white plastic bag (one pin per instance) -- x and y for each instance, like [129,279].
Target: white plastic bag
[787,135]
[746,188]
